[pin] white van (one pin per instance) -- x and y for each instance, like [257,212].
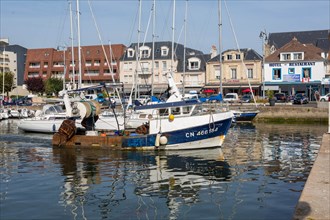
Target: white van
[231,97]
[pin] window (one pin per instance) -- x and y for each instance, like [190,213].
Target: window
[164,65]
[125,67]
[238,56]
[286,56]
[88,63]
[144,66]
[34,65]
[306,73]
[194,63]
[144,54]
[277,74]
[297,56]
[217,71]
[291,71]
[250,73]
[233,73]
[97,63]
[45,64]
[156,64]
[229,57]
[130,52]
[175,111]
[164,51]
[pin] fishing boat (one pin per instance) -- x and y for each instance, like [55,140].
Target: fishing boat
[172,130]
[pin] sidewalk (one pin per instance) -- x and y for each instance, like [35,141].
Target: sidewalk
[314,200]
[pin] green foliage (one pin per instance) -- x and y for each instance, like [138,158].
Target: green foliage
[35,85]
[53,85]
[9,81]
[270,94]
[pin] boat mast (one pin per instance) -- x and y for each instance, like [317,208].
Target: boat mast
[173,27]
[79,48]
[220,45]
[153,46]
[184,49]
[137,93]
[72,48]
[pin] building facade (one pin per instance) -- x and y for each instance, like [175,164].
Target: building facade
[14,61]
[295,68]
[317,38]
[98,64]
[239,70]
[144,67]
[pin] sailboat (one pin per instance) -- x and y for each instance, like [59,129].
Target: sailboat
[240,115]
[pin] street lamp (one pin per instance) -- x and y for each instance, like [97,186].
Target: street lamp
[263,36]
[64,64]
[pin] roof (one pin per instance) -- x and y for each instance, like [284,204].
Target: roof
[319,38]
[249,54]
[311,52]
[179,52]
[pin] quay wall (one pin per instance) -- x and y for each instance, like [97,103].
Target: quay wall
[314,202]
[283,113]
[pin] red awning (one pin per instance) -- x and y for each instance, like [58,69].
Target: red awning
[208,91]
[247,90]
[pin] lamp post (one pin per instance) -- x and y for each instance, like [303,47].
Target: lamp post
[64,64]
[263,36]
[3,73]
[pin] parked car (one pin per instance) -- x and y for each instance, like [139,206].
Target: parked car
[246,98]
[300,99]
[231,97]
[215,98]
[280,97]
[324,98]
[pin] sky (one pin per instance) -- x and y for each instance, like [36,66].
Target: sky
[46,23]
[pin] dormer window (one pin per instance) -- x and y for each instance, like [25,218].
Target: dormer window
[164,51]
[285,56]
[145,52]
[130,52]
[297,56]
[292,56]
[194,63]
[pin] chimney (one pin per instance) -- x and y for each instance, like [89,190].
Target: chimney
[213,51]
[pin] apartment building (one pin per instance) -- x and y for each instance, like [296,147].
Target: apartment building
[239,70]
[144,67]
[12,59]
[98,64]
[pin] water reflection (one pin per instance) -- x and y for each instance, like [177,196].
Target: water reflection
[173,176]
[260,172]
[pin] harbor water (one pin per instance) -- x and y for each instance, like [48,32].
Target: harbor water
[259,173]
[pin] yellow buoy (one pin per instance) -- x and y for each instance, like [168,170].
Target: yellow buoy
[171,117]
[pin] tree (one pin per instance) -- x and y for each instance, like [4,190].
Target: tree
[35,85]
[9,81]
[53,85]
